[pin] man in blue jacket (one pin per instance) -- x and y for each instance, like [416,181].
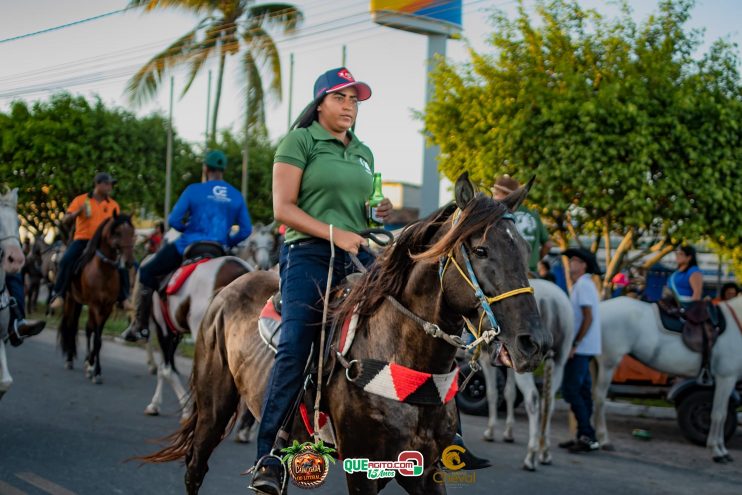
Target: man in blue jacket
[211,209]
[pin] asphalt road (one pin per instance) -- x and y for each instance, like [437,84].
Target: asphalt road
[62,435]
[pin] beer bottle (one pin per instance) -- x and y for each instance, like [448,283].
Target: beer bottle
[376,197]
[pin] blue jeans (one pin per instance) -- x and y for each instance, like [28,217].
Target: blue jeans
[14,281]
[303,269]
[67,264]
[577,391]
[167,260]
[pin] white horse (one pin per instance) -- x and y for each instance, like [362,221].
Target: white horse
[11,261]
[185,310]
[262,247]
[633,327]
[557,316]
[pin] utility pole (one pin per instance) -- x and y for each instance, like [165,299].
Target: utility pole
[169,157]
[208,114]
[291,87]
[245,151]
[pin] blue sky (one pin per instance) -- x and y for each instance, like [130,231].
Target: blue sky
[393,62]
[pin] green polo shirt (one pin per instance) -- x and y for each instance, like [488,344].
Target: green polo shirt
[337,179]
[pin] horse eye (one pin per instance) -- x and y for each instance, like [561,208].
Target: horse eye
[480,252]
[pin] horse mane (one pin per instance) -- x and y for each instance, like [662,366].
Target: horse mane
[94,244]
[417,244]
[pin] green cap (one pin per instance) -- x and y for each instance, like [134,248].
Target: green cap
[216,159]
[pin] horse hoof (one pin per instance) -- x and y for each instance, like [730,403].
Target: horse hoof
[728,458]
[152,370]
[68,365]
[97,380]
[243,436]
[530,469]
[488,438]
[508,439]
[545,460]
[608,447]
[151,411]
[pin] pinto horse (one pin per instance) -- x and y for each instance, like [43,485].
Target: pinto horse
[11,261]
[182,313]
[95,283]
[557,317]
[419,276]
[630,326]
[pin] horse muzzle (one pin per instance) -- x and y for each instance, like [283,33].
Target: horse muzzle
[13,258]
[526,350]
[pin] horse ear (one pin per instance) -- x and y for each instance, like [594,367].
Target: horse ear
[464,191]
[515,198]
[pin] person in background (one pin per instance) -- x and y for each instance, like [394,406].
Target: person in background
[544,271]
[577,382]
[527,221]
[155,239]
[686,283]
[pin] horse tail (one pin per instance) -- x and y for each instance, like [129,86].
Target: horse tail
[546,397]
[217,381]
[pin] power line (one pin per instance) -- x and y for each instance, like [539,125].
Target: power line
[62,26]
[122,72]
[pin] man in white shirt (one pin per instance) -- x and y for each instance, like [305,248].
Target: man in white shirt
[577,383]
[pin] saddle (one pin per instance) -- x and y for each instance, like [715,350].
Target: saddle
[699,325]
[194,255]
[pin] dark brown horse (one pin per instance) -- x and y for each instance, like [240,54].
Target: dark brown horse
[95,283]
[476,232]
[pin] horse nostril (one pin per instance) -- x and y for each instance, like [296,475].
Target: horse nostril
[527,345]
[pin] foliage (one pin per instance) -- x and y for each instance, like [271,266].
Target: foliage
[226,28]
[628,129]
[51,150]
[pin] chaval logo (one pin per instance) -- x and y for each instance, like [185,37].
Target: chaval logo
[365,164]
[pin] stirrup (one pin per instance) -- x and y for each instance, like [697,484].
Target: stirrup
[253,470]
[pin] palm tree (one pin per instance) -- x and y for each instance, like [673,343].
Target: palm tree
[228,27]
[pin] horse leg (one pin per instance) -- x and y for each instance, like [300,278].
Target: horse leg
[68,330]
[715,440]
[217,399]
[5,379]
[99,317]
[153,408]
[88,363]
[490,381]
[359,484]
[244,425]
[545,441]
[531,401]
[151,362]
[606,368]
[509,392]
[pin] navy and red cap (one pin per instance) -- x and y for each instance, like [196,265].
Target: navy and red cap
[337,79]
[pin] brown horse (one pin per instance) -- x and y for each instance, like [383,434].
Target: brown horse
[95,283]
[404,286]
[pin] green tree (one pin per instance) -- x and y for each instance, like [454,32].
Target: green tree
[227,27]
[628,130]
[51,150]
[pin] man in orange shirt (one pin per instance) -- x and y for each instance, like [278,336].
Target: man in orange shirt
[88,210]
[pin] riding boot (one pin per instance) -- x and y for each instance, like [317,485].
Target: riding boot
[20,328]
[138,330]
[467,458]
